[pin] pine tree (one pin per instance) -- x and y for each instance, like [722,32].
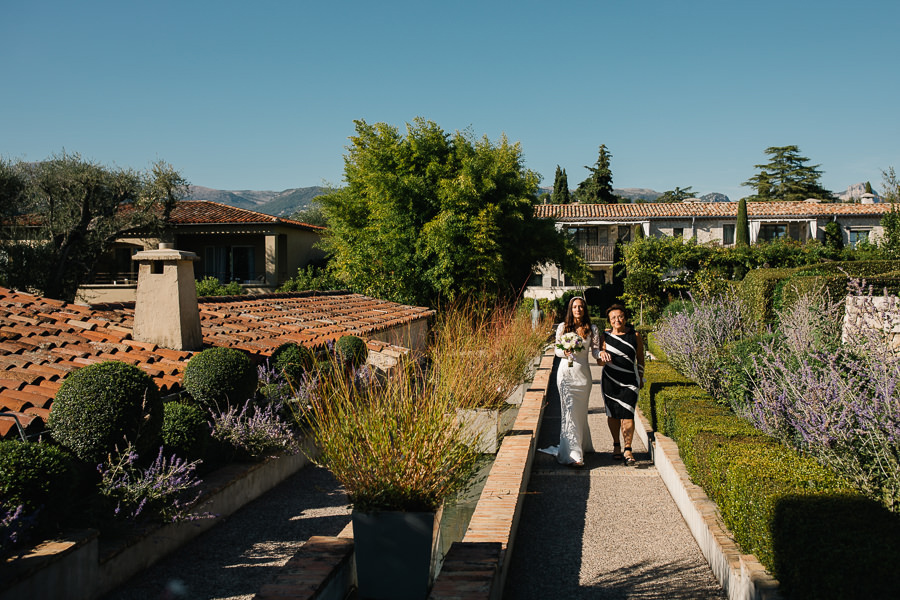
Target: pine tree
[560,187]
[742,227]
[598,188]
[786,177]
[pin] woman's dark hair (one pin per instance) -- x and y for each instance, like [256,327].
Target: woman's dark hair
[617,307]
[569,323]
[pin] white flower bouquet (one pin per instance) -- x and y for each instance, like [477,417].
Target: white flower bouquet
[570,342]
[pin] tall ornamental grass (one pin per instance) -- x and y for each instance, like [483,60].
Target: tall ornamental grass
[694,338]
[479,356]
[837,401]
[395,443]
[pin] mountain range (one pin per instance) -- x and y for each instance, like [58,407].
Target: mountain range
[278,204]
[288,202]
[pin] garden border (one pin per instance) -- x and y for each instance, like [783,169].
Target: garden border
[76,568]
[741,575]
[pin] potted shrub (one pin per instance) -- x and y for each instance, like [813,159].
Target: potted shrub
[398,450]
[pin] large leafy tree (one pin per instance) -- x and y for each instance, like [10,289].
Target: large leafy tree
[60,215]
[787,178]
[598,187]
[427,216]
[677,195]
[560,187]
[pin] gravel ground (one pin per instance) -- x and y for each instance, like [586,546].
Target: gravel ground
[605,531]
[245,551]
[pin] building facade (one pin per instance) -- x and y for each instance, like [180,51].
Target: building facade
[596,228]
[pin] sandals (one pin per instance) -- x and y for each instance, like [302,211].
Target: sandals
[617,454]
[629,460]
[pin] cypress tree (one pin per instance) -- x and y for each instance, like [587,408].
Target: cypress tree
[560,187]
[742,228]
[637,232]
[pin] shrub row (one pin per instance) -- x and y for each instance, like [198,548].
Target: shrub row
[809,528]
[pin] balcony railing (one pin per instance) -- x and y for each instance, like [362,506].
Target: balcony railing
[593,254]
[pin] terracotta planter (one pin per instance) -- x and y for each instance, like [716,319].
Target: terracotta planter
[394,553]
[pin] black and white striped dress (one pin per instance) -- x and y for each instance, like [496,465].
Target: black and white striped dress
[620,378]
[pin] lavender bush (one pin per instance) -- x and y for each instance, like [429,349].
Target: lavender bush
[165,490]
[837,402]
[693,339]
[14,526]
[255,430]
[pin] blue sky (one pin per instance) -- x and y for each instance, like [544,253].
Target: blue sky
[262,95]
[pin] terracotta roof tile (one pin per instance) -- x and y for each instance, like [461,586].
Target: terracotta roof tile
[203,212]
[41,340]
[650,210]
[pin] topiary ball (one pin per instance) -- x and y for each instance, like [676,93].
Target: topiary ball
[103,406]
[36,476]
[185,430]
[219,377]
[351,350]
[292,360]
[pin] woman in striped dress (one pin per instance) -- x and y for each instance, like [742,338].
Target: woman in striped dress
[623,375]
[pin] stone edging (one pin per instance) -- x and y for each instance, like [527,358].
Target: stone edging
[741,575]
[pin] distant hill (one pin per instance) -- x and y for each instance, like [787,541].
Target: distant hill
[277,204]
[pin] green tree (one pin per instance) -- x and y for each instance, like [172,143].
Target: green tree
[676,195]
[62,214]
[869,188]
[742,226]
[598,187]
[560,187]
[787,177]
[834,239]
[429,216]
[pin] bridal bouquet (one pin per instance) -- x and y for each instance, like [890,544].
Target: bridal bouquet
[570,342]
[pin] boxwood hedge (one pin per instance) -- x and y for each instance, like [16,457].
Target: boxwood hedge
[809,528]
[219,377]
[103,406]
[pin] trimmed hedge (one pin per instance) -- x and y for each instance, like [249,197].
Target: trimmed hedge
[36,476]
[292,360]
[351,350]
[185,430]
[219,377]
[104,405]
[819,537]
[757,290]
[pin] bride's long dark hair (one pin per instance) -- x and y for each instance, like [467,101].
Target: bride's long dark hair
[570,325]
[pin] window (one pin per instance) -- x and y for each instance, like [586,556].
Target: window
[678,232]
[772,231]
[624,233]
[229,263]
[728,234]
[584,236]
[536,280]
[857,235]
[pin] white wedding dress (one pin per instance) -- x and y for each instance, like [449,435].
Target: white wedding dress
[574,384]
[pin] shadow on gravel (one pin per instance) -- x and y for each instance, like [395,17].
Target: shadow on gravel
[642,581]
[246,550]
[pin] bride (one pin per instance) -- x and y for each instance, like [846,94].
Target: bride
[574,384]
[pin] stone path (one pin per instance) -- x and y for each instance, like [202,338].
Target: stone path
[605,531]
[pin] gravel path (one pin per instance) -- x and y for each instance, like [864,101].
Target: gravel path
[242,553]
[605,531]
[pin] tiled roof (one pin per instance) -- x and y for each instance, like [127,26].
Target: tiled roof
[650,210]
[204,212]
[42,340]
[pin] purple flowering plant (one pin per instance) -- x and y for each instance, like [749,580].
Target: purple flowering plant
[165,490]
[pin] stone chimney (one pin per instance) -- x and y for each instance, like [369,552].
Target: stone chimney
[165,310]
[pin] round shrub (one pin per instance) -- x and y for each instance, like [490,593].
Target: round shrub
[219,377]
[292,360]
[105,405]
[36,476]
[185,430]
[351,350]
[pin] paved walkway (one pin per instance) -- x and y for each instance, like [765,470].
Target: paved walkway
[605,531]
